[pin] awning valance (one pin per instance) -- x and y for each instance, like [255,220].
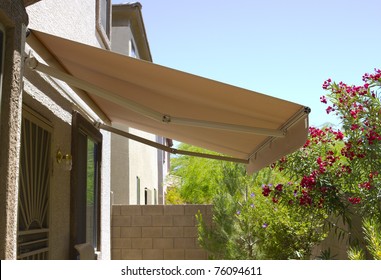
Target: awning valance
[178,105]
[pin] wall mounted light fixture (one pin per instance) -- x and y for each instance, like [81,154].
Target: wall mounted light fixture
[66,159]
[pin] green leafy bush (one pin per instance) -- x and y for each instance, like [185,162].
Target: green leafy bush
[249,226]
[372,236]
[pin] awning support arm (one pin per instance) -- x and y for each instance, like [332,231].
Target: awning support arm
[34,64]
[166,148]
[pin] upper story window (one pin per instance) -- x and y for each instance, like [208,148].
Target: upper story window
[103,20]
[132,49]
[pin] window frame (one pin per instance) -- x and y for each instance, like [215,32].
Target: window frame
[78,190]
[104,31]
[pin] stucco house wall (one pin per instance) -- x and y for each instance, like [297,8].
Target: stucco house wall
[75,20]
[58,111]
[71,19]
[14,20]
[133,163]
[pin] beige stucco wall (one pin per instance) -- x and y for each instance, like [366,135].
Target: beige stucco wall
[58,111]
[14,19]
[157,232]
[71,19]
[120,162]
[130,159]
[74,20]
[143,164]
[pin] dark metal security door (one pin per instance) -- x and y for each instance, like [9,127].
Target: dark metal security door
[33,214]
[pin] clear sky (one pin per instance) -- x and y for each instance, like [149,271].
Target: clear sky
[286,49]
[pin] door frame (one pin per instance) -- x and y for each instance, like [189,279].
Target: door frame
[80,125]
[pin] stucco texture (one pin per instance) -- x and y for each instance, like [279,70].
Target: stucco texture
[14,19]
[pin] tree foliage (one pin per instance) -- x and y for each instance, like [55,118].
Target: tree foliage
[246,225]
[197,186]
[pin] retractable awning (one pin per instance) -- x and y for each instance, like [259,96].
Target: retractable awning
[254,128]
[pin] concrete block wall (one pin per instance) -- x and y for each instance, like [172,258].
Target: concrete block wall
[157,232]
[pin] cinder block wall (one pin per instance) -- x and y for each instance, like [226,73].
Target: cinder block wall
[157,232]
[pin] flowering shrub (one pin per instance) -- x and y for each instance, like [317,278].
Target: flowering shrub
[338,168]
[269,230]
[359,108]
[314,171]
[249,226]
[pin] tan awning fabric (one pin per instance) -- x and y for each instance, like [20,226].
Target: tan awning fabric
[181,106]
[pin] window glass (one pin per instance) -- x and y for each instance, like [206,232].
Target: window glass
[132,50]
[85,188]
[91,193]
[105,15]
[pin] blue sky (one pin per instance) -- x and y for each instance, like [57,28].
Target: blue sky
[285,49]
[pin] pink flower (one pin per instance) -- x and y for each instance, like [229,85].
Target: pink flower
[279,187]
[307,144]
[305,199]
[354,200]
[329,109]
[354,127]
[326,84]
[323,99]
[354,114]
[339,135]
[266,190]
[365,185]
[308,181]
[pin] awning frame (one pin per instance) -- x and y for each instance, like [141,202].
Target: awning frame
[34,64]
[166,148]
[302,113]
